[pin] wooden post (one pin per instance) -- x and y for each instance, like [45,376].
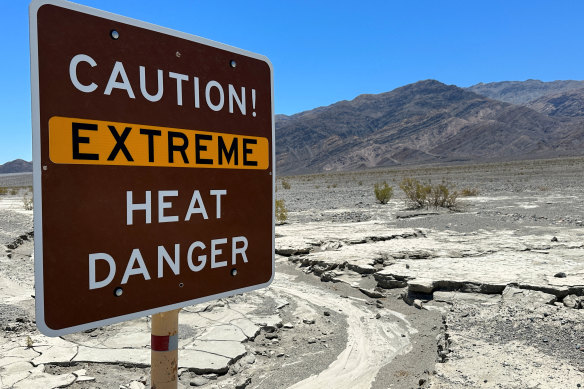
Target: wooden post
[164,350]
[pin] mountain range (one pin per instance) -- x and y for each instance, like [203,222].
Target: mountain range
[431,122]
[16,166]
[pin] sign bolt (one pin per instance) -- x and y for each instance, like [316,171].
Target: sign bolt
[178,54]
[118,291]
[232,63]
[234,272]
[114,34]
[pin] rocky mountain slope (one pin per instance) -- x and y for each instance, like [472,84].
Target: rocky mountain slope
[16,166]
[564,104]
[522,92]
[427,121]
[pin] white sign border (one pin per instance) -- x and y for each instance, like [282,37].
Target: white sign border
[34,6]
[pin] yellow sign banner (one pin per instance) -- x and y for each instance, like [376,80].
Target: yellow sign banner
[97,142]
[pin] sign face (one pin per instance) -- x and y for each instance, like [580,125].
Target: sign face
[153,168]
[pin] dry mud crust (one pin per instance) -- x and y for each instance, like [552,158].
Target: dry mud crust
[103,375]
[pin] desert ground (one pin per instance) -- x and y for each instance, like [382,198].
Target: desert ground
[366,295]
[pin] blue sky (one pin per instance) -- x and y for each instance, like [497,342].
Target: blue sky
[326,51]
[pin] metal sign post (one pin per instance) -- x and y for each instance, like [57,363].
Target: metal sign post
[164,350]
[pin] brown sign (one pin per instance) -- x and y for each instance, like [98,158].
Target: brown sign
[153,168]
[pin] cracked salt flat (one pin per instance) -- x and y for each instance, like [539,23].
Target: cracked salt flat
[216,340]
[481,256]
[486,236]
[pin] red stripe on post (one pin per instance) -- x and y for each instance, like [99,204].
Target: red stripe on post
[159,343]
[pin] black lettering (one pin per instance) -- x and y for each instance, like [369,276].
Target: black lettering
[229,154]
[151,134]
[120,146]
[247,151]
[199,148]
[180,148]
[82,139]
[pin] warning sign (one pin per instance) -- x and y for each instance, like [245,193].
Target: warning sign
[153,168]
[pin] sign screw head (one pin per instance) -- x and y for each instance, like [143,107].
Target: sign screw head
[118,291]
[232,63]
[178,54]
[234,272]
[114,34]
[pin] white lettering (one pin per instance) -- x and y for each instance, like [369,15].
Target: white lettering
[196,258]
[202,258]
[131,207]
[141,269]
[143,89]
[215,252]
[214,107]
[218,193]
[164,256]
[194,209]
[93,284]
[179,79]
[238,250]
[119,70]
[197,102]
[240,102]
[118,79]
[73,72]
[162,205]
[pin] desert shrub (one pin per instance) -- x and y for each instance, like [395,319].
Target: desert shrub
[27,202]
[421,195]
[383,192]
[360,183]
[443,195]
[14,191]
[281,211]
[3,191]
[286,184]
[416,192]
[469,192]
